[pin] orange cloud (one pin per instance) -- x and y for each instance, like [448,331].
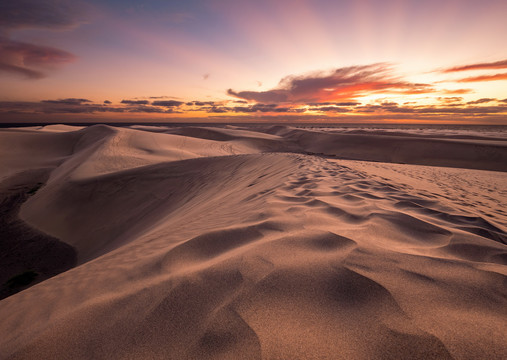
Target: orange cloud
[502,76]
[457,91]
[502,64]
[341,84]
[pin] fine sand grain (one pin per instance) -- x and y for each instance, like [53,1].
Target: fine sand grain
[251,243]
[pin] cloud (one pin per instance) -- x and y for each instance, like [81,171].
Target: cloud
[448,100]
[493,111]
[501,76]
[146,109]
[264,108]
[481,101]
[441,110]
[28,60]
[20,70]
[167,103]
[502,64]
[218,110]
[48,14]
[261,108]
[472,110]
[201,103]
[327,103]
[331,109]
[340,84]
[107,102]
[68,101]
[457,91]
[135,102]
[162,97]
[205,77]
[261,96]
[389,103]
[349,103]
[77,106]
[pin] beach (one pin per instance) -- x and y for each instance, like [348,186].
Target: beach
[252,242]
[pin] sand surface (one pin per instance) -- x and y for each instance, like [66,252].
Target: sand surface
[267,242]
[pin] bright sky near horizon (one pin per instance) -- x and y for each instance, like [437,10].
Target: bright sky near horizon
[233,60]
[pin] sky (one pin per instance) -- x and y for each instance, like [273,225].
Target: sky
[276,61]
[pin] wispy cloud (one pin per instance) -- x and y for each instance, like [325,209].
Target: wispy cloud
[494,77]
[450,100]
[19,70]
[28,60]
[68,101]
[481,101]
[502,64]
[456,91]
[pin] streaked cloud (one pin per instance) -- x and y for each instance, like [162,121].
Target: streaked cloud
[481,101]
[456,91]
[494,77]
[29,60]
[68,101]
[135,102]
[451,99]
[20,70]
[502,64]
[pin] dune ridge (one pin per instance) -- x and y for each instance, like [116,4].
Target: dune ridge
[227,243]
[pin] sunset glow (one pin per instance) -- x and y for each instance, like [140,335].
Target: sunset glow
[254,61]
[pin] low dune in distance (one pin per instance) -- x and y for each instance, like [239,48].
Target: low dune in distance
[260,242]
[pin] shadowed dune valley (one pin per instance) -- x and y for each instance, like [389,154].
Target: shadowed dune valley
[252,242]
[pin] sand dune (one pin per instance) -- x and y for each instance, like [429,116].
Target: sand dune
[406,149]
[252,243]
